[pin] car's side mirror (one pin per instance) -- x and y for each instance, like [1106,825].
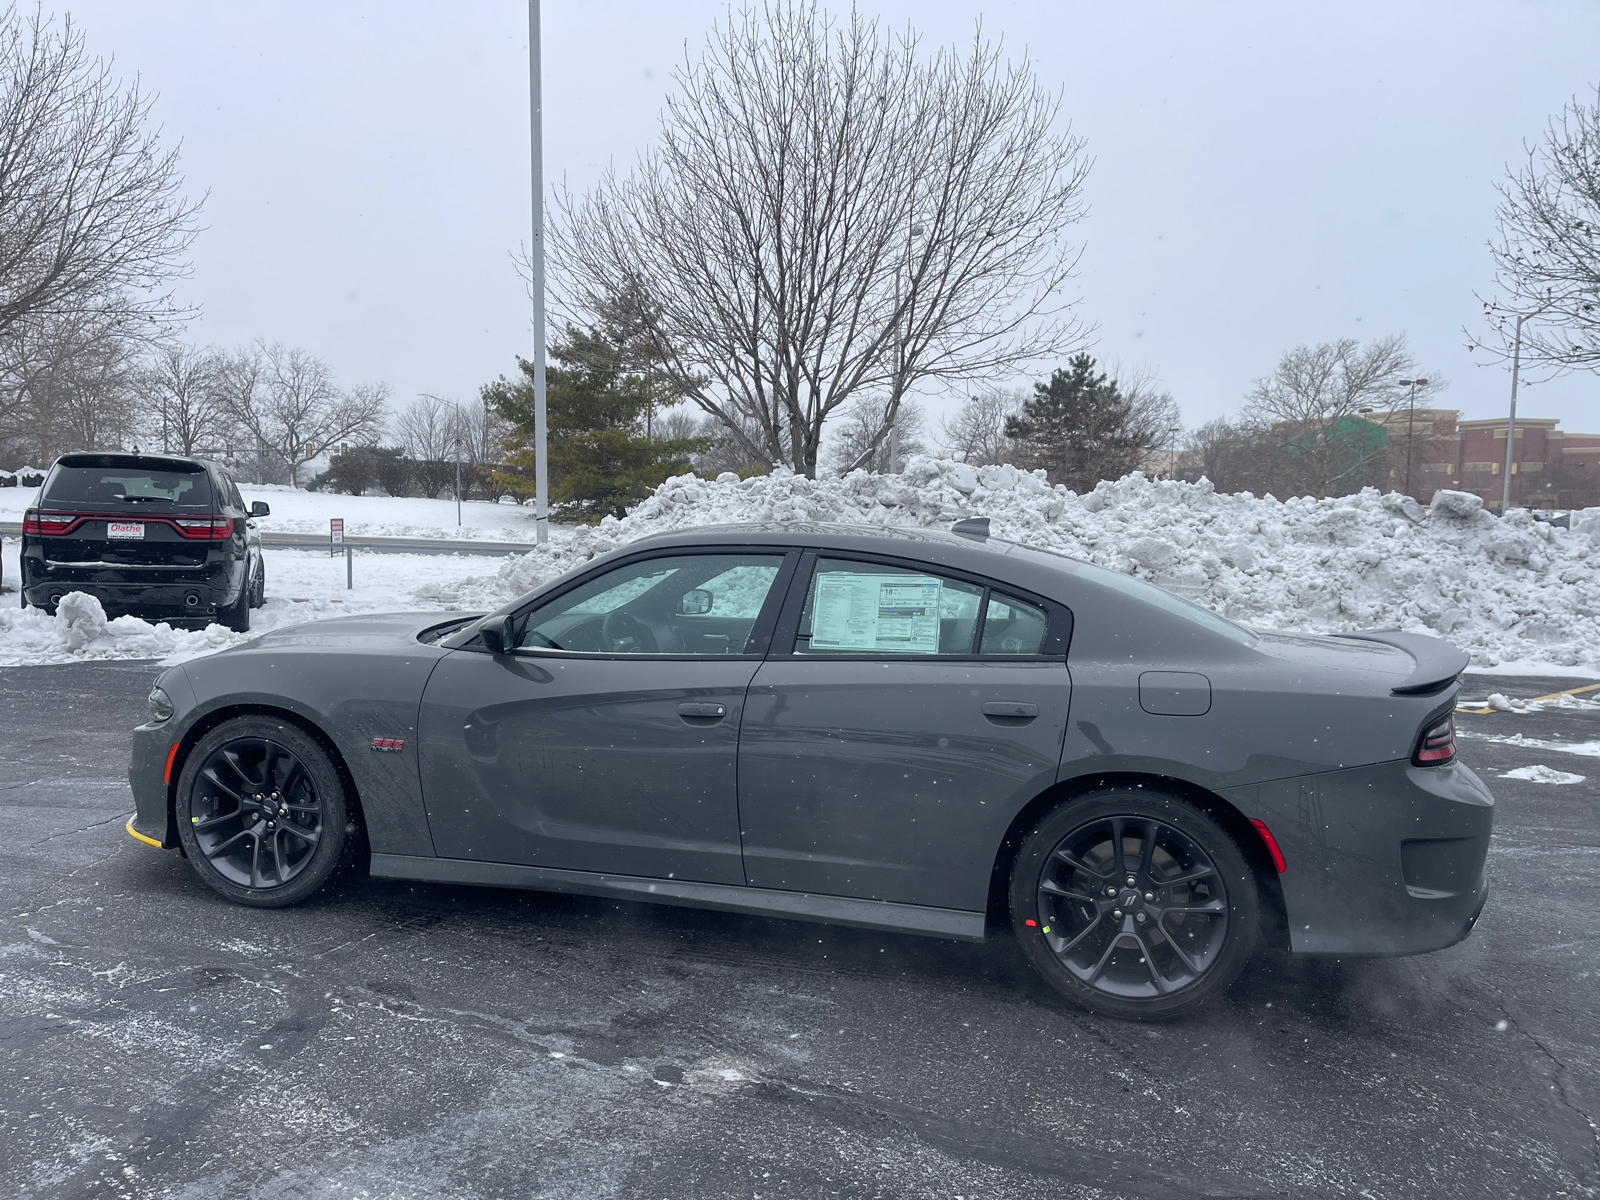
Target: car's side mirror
[258,508]
[696,602]
[500,636]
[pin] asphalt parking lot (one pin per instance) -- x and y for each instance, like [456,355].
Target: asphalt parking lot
[405,1040]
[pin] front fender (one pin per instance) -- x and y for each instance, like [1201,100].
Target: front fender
[348,699]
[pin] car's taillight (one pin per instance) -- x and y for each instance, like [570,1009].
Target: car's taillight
[205,527]
[1438,744]
[34,521]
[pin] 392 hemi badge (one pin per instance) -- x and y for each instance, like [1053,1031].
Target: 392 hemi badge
[392,745]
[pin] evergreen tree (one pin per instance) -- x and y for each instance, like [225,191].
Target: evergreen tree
[601,453]
[1077,427]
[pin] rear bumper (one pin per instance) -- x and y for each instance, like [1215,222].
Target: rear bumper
[159,592]
[1381,860]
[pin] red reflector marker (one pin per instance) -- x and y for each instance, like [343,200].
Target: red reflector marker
[1272,845]
[1030,921]
[166,775]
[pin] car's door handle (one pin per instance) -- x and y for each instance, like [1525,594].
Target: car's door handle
[697,708]
[1010,708]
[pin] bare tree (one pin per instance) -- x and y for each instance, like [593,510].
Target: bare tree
[1235,457]
[286,400]
[829,214]
[1313,403]
[1154,421]
[428,429]
[976,432]
[91,219]
[1547,249]
[860,439]
[183,407]
[64,385]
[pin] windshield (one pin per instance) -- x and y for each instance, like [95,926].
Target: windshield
[172,486]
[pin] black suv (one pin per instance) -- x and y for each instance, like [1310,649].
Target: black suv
[151,535]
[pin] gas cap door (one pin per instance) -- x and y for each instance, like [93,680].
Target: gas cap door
[1174,693]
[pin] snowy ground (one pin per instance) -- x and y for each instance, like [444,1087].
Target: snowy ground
[301,586]
[1520,596]
[298,511]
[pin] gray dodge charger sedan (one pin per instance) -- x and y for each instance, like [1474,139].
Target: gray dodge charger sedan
[931,732]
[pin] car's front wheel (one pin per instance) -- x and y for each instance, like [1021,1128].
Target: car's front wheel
[262,812]
[1134,904]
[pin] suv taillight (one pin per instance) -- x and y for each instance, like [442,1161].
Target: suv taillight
[1438,744]
[34,521]
[205,527]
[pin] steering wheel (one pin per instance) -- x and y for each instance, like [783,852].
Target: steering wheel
[623,633]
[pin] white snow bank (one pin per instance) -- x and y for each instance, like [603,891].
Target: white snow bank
[1514,593]
[301,586]
[1513,590]
[79,632]
[1542,774]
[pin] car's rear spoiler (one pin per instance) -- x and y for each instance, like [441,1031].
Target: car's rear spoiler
[1437,661]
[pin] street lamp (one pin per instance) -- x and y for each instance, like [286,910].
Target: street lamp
[1511,424]
[1411,422]
[541,493]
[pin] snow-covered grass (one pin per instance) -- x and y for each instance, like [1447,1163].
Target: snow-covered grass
[1517,594]
[295,510]
[301,586]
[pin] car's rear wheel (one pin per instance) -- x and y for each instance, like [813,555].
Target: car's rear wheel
[258,592]
[1134,904]
[262,812]
[237,615]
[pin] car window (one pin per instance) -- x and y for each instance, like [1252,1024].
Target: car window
[1176,605]
[117,485]
[855,608]
[691,604]
[1013,627]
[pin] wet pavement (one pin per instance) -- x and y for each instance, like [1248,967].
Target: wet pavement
[391,1039]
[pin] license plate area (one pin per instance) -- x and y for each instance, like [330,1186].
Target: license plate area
[126,531]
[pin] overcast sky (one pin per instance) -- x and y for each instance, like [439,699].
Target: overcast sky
[1264,174]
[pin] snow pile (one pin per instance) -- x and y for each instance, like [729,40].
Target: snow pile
[1507,591]
[1543,774]
[1515,593]
[80,632]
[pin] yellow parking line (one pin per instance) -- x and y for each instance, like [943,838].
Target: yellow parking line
[1593,687]
[148,841]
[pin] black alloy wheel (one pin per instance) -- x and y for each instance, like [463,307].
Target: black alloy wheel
[262,812]
[258,590]
[1134,904]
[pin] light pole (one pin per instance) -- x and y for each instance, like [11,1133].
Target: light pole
[1511,423]
[458,481]
[1411,423]
[541,484]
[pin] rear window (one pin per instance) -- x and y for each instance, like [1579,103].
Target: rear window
[133,486]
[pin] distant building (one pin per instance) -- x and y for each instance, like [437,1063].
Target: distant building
[1550,467]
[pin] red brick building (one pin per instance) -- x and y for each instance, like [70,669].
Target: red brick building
[1550,467]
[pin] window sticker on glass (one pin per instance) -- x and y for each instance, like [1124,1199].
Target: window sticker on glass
[896,613]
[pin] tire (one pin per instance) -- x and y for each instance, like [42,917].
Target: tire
[258,593]
[1151,951]
[271,852]
[237,615]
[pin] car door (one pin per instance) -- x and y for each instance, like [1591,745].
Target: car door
[607,739]
[895,729]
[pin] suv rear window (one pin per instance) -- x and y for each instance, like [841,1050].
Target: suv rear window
[131,485]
